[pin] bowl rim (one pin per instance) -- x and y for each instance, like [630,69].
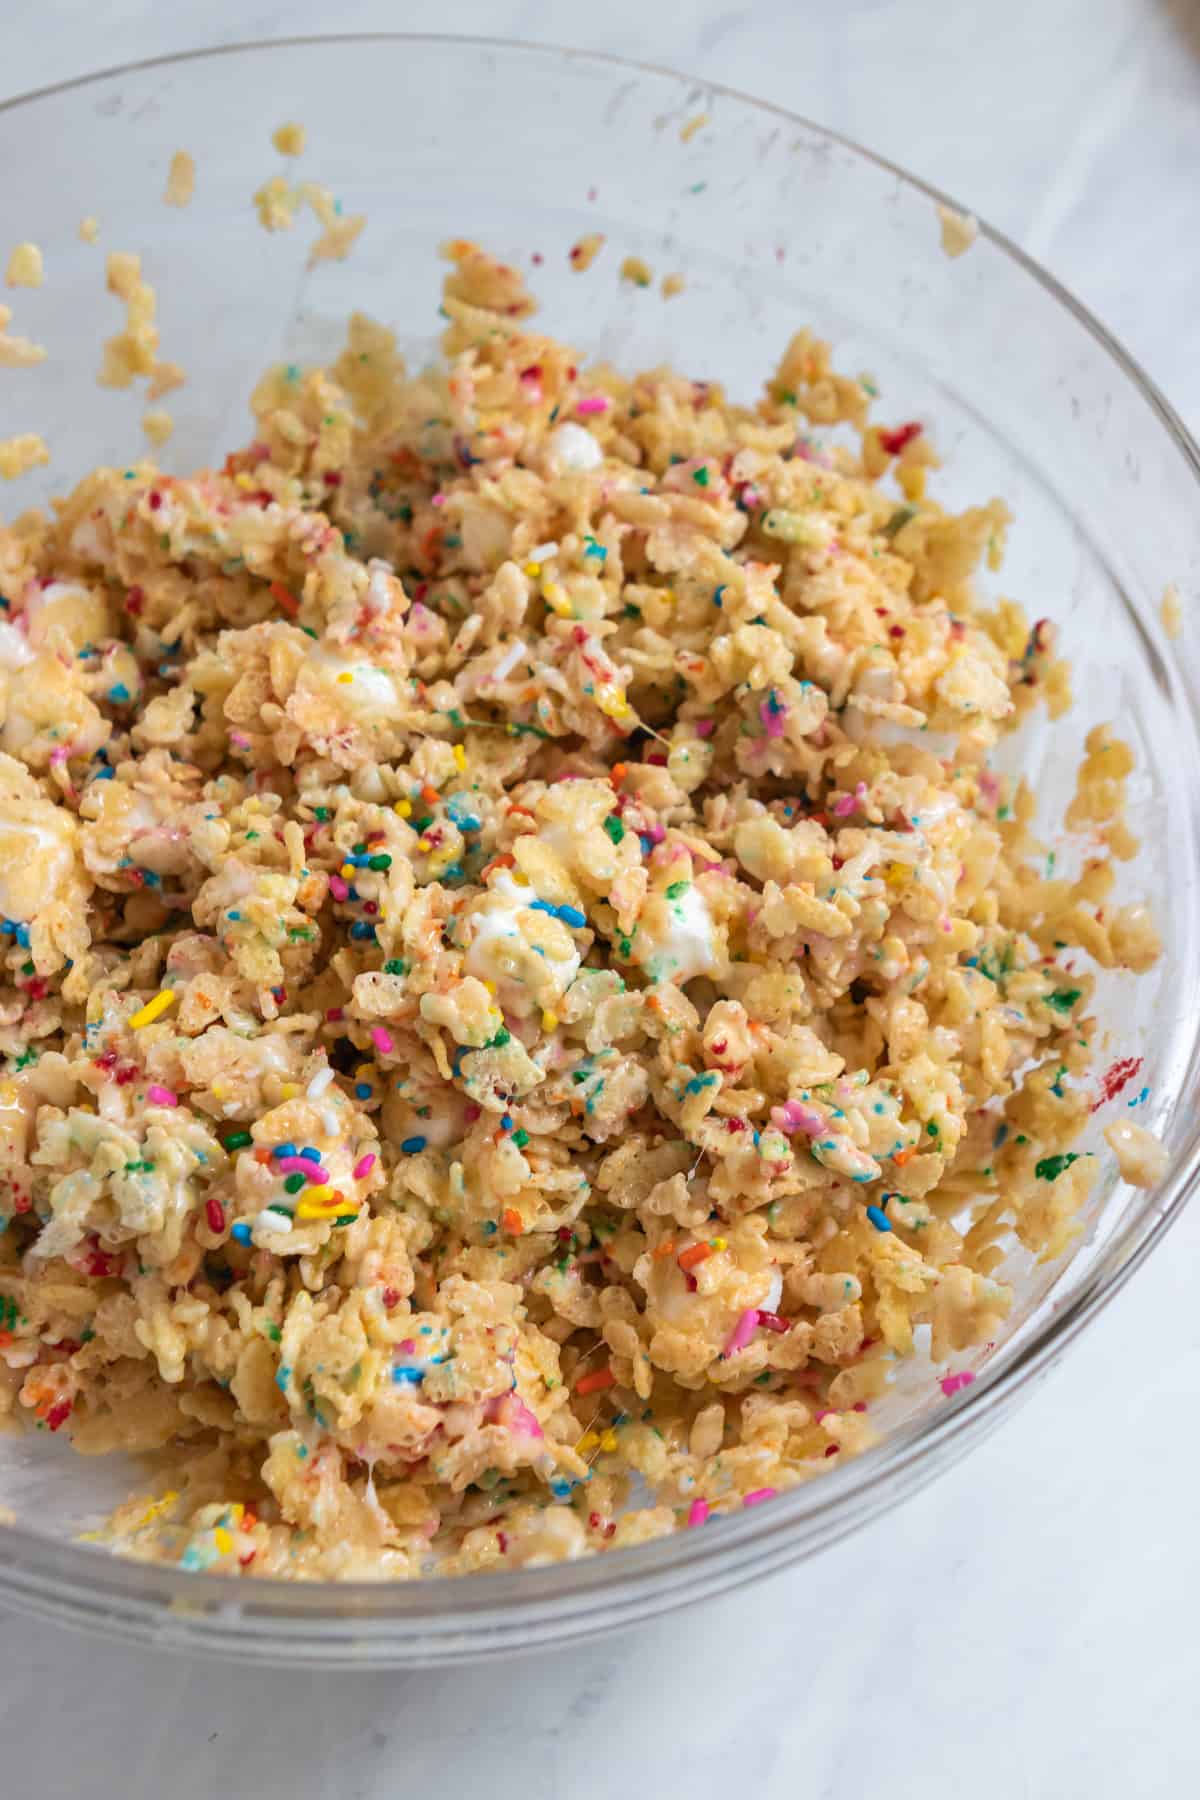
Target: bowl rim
[77,1584]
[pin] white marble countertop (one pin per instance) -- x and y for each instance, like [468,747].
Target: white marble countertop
[1024,1628]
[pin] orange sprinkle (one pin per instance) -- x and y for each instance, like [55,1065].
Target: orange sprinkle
[512,1221]
[591,1384]
[695,1253]
[666,1248]
[284,597]
[430,795]
[498,862]
[903,1156]
[262,1156]
[523,810]
[618,773]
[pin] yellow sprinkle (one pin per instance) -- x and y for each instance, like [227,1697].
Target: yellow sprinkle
[897,874]
[8,1094]
[718,1243]
[222,1540]
[349,871]
[289,1090]
[520,877]
[557,599]
[219,1090]
[609,1441]
[533,570]
[549,1021]
[423,843]
[460,757]
[363,1072]
[403,808]
[243,480]
[237,1509]
[345,676]
[587,1442]
[153,1009]
[318,1194]
[490,986]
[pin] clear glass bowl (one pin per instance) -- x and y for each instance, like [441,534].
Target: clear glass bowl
[773,223]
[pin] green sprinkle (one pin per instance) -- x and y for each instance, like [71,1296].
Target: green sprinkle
[1064,999]
[1051,1167]
[395,965]
[501,1038]
[899,520]
[677,889]
[294,1183]
[520,1138]
[238,1140]
[614,826]
[700,477]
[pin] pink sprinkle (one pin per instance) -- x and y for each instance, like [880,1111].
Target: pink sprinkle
[161,1096]
[850,802]
[772,716]
[511,1412]
[437,499]
[950,1384]
[382,1040]
[592,403]
[794,1116]
[407,1345]
[656,833]
[742,1332]
[59,755]
[363,1166]
[705,727]
[823,1414]
[471,1113]
[240,739]
[698,1511]
[300,1165]
[335,1012]
[758,1496]
[338,888]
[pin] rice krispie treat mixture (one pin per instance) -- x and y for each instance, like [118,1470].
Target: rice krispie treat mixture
[523,998]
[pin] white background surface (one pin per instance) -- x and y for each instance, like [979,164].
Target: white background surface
[1027,1627]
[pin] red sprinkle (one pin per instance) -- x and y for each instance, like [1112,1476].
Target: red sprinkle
[58,1415]
[214,1212]
[774,1322]
[894,441]
[1115,1078]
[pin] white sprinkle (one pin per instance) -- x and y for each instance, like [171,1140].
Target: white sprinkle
[540,552]
[269,1220]
[509,660]
[573,448]
[320,1082]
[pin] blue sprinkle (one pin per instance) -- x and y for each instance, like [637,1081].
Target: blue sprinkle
[647,844]
[411,1376]
[284,1150]
[561,1489]
[362,1090]
[571,915]
[361,929]
[412,1146]
[1001,1134]
[717,597]
[489,1228]
[879,1218]
[118,691]
[241,1232]
[543,906]
[506,1122]
[283,1377]
[22,935]
[309,1154]
[233,915]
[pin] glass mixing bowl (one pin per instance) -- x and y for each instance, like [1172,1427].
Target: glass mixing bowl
[773,223]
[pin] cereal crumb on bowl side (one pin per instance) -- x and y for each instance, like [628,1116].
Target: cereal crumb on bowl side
[523,987]
[26,267]
[289,139]
[959,230]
